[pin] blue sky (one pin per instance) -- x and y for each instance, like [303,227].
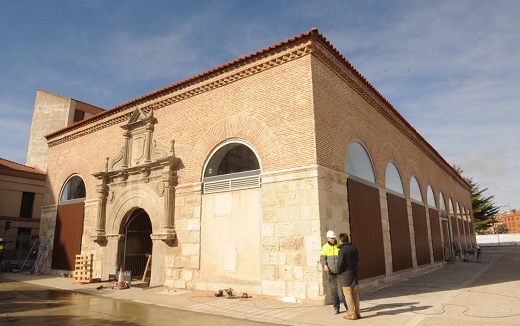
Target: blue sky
[451,68]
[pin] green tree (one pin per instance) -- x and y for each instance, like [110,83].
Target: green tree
[484,208]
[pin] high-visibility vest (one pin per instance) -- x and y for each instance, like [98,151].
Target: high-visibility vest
[329,256]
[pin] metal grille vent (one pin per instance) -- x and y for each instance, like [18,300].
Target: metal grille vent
[232,184]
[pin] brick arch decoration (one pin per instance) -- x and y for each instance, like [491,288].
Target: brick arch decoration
[79,167]
[389,153]
[357,132]
[128,200]
[251,129]
[414,171]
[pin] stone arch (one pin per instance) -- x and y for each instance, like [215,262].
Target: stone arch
[251,129]
[127,201]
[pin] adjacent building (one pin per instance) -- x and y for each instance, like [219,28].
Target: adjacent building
[21,197]
[231,178]
[510,221]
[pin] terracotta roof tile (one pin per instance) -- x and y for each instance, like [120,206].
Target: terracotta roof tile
[312,32]
[19,167]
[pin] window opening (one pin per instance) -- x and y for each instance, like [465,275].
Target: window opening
[23,238]
[415,190]
[74,189]
[233,166]
[393,179]
[26,207]
[358,163]
[430,197]
[442,204]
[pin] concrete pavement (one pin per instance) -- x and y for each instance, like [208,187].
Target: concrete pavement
[486,293]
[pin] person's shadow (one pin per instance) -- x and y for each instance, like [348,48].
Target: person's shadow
[392,309]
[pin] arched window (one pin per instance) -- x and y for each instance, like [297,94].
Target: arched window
[358,163]
[442,204]
[457,210]
[430,197]
[233,166]
[393,179]
[415,190]
[74,189]
[450,202]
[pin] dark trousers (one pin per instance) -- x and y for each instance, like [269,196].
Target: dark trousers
[336,291]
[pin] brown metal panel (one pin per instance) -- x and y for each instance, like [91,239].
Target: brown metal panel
[446,249]
[422,247]
[467,240]
[454,229]
[473,238]
[472,235]
[67,236]
[366,228]
[436,234]
[399,232]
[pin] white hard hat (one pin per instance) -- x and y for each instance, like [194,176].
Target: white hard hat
[331,234]
[1,239]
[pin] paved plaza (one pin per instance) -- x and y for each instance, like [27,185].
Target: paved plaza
[485,293]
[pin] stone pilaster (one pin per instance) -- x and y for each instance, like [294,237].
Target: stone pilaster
[385,223]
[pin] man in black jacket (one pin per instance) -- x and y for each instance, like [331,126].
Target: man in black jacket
[348,278]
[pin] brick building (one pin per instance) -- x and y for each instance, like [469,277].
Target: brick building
[231,178]
[510,219]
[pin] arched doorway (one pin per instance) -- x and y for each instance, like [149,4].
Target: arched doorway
[69,224]
[364,211]
[231,216]
[136,244]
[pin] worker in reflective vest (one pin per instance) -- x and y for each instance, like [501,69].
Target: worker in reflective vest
[329,261]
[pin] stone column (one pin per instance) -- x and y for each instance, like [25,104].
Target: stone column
[385,223]
[148,145]
[102,191]
[99,235]
[411,227]
[127,136]
[169,201]
[429,228]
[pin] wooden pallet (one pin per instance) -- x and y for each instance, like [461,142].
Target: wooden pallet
[83,269]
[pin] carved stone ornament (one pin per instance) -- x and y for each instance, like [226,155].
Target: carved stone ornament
[160,188]
[111,196]
[142,159]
